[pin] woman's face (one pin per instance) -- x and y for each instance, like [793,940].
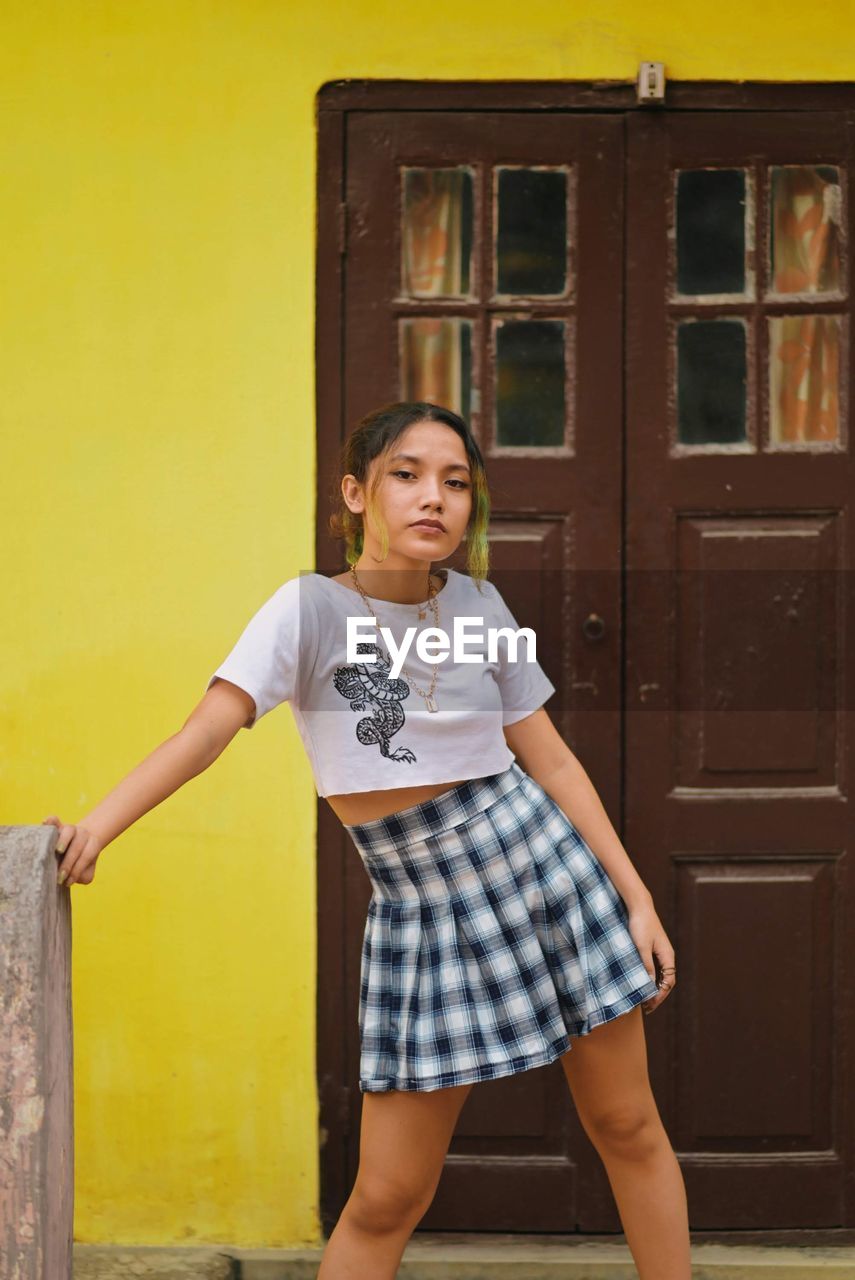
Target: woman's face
[425,476]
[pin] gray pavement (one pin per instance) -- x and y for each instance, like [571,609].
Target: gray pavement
[483,1257]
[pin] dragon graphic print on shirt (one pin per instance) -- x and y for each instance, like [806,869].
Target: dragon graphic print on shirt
[366,685]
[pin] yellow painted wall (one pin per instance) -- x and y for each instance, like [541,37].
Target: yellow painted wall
[157,160]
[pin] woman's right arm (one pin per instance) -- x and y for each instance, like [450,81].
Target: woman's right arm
[205,734]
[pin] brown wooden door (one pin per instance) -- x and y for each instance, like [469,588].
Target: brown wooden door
[707,707]
[739,547]
[542,343]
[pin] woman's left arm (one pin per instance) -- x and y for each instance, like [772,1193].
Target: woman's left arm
[545,756]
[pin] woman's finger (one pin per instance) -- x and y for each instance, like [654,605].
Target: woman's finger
[668,976]
[83,871]
[667,986]
[70,844]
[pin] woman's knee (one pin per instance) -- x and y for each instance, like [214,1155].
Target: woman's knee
[379,1204]
[633,1131]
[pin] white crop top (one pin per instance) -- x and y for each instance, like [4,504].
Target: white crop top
[365,731]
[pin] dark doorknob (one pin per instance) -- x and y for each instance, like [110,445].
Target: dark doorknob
[594,627]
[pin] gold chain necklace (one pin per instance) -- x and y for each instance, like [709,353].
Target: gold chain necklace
[427,694]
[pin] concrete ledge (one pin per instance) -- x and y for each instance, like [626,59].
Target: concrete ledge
[493,1257]
[110,1262]
[36,1097]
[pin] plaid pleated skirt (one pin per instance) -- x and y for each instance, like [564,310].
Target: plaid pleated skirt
[493,936]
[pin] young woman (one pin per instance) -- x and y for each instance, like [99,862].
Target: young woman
[501,934]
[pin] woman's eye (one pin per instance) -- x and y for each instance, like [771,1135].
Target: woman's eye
[459,484]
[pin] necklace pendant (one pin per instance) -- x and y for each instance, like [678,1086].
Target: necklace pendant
[430,703]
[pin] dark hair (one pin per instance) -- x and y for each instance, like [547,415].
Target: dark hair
[373,437]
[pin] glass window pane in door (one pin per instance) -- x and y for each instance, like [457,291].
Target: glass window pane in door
[530,378]
[805,229]
[531,237]
[710,240]
[436,233]
[436,361]
[804,378]
[711,381]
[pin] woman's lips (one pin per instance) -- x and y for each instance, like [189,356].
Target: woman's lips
[426,528]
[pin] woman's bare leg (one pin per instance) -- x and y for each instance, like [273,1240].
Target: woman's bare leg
[607,1074]
[403,1142]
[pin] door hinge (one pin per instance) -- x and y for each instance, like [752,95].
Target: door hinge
[342,227]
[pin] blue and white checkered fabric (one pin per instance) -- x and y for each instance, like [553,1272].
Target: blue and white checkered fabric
[494,935]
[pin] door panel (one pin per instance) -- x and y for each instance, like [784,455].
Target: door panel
[476,245]
[738,545]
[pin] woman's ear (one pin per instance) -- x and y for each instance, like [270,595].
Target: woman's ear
[351,491]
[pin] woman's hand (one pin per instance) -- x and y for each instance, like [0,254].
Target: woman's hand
[652,940]
[80,847]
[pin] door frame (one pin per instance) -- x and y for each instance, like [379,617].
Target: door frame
[333,101]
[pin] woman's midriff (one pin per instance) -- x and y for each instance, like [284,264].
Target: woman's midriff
[364,806]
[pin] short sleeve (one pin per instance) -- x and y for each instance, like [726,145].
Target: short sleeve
[524,685]
[266,658]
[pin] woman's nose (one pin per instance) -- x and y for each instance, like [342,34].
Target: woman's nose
[432,495]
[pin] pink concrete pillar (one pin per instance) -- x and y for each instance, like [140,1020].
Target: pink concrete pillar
[36,1098]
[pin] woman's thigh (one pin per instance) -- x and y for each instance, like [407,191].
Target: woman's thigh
[403,1141]
[608,1076]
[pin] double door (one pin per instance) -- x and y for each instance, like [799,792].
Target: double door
[645,317]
